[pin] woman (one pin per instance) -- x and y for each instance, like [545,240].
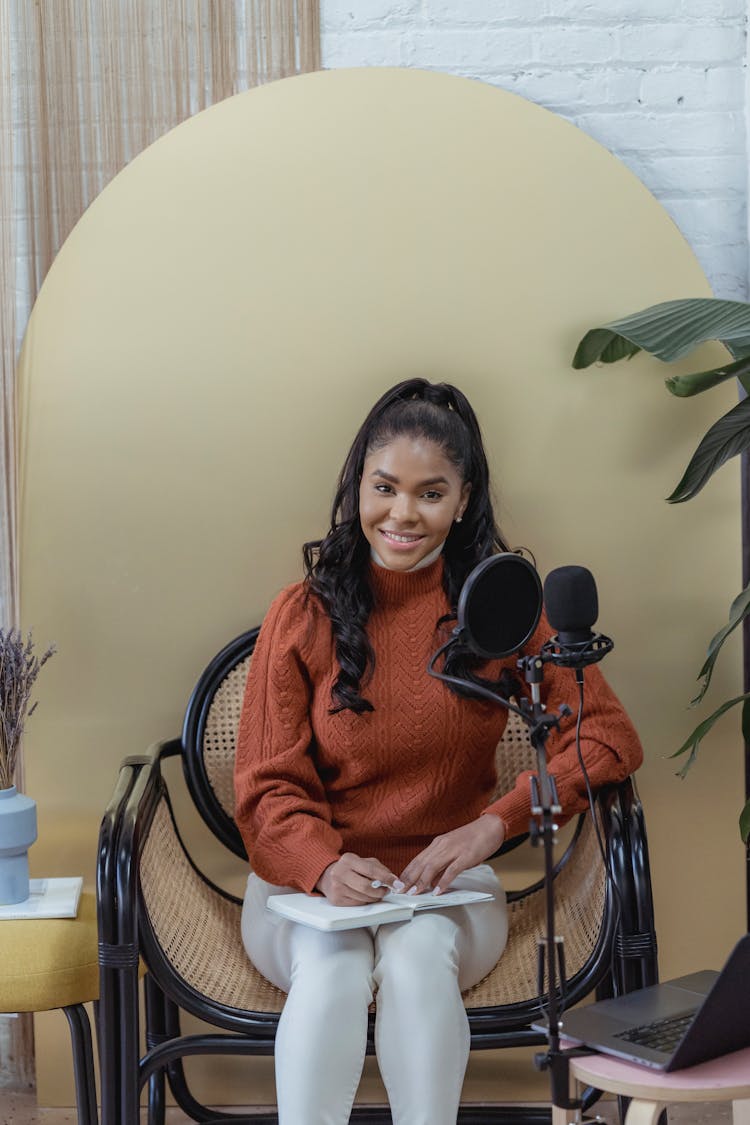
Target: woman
[355,769]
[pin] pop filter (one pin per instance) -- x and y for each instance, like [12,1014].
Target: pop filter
[499,606]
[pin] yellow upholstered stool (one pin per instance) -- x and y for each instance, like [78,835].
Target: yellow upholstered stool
[52,963]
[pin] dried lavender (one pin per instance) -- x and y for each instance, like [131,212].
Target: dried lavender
[19,668]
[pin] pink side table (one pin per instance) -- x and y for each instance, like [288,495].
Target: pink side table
[722,1080]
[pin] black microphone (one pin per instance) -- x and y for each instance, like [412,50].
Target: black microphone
[572,606]
[499,606]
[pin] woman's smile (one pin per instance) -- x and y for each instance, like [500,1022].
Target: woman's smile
[399,539]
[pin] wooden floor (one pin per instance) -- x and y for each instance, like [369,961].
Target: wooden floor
[18,1109]
[21,1109]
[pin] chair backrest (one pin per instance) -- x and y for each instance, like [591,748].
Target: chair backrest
[210,732]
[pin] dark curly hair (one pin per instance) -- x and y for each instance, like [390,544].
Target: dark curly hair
[336,567]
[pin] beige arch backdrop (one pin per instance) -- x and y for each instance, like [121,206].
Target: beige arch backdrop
[200,355]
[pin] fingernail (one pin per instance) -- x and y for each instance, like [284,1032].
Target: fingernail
[412,890]
[398,886]
[436,891]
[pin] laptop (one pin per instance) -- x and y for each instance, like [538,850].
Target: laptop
[673,1025]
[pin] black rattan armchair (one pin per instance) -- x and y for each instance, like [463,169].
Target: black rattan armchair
[157,908]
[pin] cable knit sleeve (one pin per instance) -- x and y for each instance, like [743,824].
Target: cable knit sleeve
[610,746]
[281,808]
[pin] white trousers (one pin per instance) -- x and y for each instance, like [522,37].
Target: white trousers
[419,968]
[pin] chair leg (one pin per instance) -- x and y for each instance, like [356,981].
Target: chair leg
[176,1071]
[642,1112]
[128,1046]
[83,1064]
[155,1034]
[741,1112]
[181,1092]
[107,1025]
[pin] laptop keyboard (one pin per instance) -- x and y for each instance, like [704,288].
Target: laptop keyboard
[661,1035]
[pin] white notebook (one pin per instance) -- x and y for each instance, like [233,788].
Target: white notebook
[323,915]
[48,898]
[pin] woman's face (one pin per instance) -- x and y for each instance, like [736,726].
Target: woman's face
[409,496]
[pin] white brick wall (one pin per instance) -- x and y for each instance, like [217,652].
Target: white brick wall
[661,83]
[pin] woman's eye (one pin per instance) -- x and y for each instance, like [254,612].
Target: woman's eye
[382,488]
[432,495]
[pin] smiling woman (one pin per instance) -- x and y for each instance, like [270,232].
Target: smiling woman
[356,771]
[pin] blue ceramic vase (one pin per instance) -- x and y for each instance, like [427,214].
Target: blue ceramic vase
[17,834]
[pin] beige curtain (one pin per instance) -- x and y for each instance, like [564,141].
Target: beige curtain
[85,85]
[8,243]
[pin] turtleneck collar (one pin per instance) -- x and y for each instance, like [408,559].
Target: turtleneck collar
[420,565]
[395,587]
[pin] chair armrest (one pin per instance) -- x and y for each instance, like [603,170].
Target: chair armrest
[124,822]
[135,821]
[627,844]
[109,833]
[641,941]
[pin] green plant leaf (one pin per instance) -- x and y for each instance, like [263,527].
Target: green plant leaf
[683,386]
[725,439]
[669,331]
[745,824]
[693,741]
[738,610]
[603,345]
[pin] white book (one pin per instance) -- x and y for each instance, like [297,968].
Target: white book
[323,915]
[48,898]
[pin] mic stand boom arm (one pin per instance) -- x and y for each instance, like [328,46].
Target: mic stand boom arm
[544,807]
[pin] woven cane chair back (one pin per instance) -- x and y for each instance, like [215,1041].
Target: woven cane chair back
[220,736]
[210,734]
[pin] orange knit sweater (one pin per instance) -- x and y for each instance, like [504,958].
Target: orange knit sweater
[310,785]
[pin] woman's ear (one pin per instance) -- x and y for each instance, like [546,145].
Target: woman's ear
[464,502]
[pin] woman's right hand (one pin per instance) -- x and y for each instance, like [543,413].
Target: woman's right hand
[348,881]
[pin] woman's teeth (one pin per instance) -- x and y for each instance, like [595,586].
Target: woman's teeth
[401,538]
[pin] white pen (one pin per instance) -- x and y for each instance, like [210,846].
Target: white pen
[397,886]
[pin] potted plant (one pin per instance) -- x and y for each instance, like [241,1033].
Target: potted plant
[19,668]
[670,331]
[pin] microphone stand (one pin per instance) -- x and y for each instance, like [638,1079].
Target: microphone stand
[544,806]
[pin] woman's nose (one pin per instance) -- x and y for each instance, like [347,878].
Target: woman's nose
[403,508]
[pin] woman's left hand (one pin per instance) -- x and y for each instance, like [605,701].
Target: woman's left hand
[453,852]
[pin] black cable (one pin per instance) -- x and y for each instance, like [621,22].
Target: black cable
[609,874]
[474,688]
[584,771]
[606,857]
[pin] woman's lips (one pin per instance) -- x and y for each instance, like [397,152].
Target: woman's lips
[400,542]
